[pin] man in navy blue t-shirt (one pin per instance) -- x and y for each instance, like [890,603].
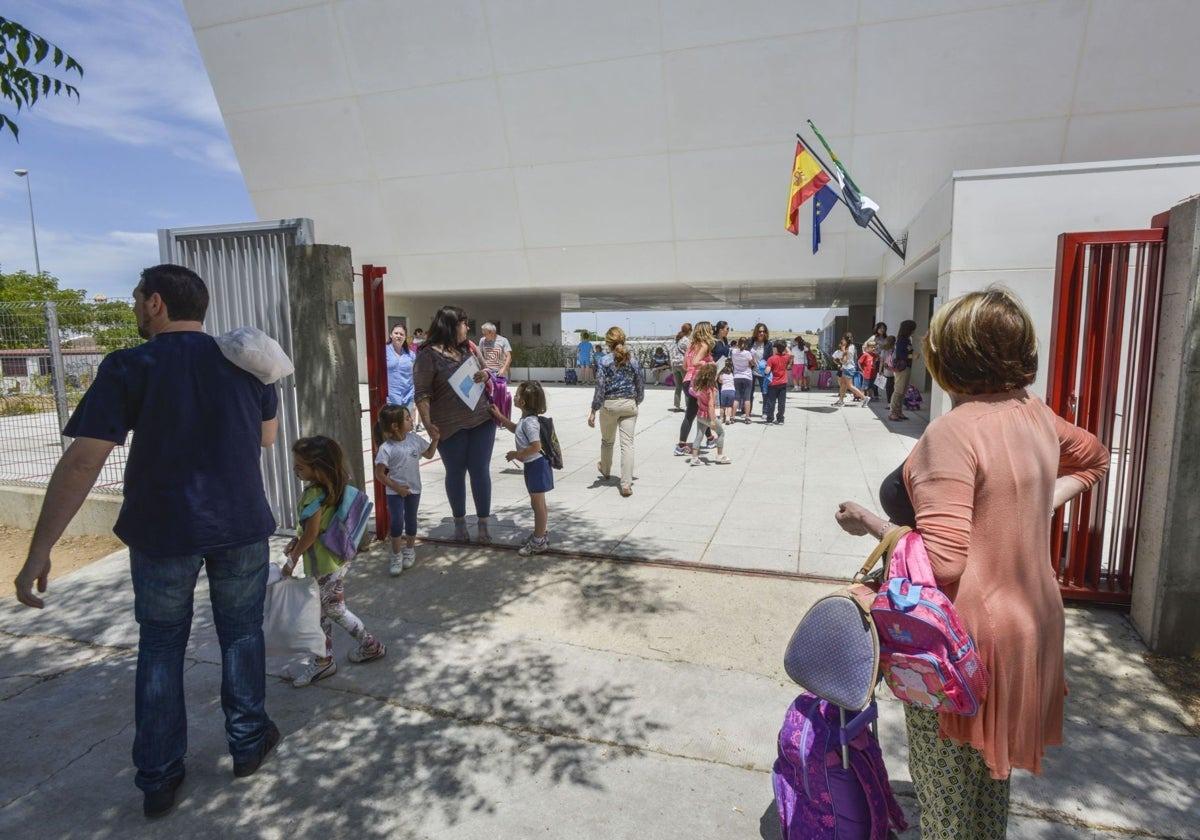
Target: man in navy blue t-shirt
[193,496]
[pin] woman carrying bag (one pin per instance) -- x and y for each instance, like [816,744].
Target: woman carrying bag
[979,488]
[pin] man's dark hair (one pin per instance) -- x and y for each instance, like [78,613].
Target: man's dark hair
[181,290]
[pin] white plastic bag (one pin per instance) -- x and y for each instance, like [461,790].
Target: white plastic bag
[292,618]
[257,353]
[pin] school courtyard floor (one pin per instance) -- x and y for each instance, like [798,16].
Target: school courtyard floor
[562,696]
[771,510]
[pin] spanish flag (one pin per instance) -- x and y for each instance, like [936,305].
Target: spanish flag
[807,179]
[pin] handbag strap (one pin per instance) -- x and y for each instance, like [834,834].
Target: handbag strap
[883,549]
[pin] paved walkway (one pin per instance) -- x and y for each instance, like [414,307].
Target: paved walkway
[544,697]
[558,696]
[770,510]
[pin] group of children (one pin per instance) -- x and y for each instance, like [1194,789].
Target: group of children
[321,465]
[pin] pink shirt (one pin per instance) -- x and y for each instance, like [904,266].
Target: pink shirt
[981,480]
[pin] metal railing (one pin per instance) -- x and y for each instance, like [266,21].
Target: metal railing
[49,354]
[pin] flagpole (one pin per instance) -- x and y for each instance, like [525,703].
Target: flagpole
[881,230]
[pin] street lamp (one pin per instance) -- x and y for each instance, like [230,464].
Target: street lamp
[24,173]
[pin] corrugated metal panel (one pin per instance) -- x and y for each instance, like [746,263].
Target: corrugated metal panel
[245,267]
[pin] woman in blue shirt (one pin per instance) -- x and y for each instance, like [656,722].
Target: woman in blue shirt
[400,370]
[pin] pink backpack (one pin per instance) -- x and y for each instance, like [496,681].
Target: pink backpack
[926,655]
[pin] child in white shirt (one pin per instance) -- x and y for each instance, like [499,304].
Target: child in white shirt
[398,468]
[539,475]
[728,393]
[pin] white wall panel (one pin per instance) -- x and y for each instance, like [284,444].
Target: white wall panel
[600,110]
[692,23]
[391,44]
[1002,64]
[434,130]
[597,265]
[456,272]
[758,92]
[903,169]
[533,34]
[276,60]
[1140,55]
[211,12]
[474,211]
[574,203]
[1153,133]
[314,144]
[348,213]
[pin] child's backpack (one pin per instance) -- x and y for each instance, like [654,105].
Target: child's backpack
[825,379]
[345,532]
[926,655]
[816,796]
[570,376]
[912,398]
[550,448]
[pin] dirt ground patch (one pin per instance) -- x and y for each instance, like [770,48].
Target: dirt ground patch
[1181,676]
[70,554]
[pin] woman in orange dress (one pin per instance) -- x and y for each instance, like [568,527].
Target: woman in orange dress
[983,482]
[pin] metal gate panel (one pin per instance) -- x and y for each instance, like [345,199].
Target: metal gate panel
[374,317]
[1107,296]
[245,268]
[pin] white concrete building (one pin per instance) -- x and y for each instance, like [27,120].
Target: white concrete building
[525,157]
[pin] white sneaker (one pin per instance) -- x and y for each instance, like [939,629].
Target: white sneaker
[865,401]
[395,565]
[695,462]
[723,459]
[408,557]
[534,545]
[313,671]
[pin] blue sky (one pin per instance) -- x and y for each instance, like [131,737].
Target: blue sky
[145,148]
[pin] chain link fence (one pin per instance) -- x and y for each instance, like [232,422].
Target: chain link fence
[49,353]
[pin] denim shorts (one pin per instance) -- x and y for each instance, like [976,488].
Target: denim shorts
[539,476]
[727,398]
[743,390]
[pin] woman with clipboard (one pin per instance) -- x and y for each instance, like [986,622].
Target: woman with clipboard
[448,378]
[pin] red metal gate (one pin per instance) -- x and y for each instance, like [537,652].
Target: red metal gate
[1107,292]
[374,327]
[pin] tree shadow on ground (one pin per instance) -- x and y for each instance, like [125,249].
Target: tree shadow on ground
[464,708]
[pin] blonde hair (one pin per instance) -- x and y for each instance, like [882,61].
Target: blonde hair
[702,334]
[615,339]
[982,343]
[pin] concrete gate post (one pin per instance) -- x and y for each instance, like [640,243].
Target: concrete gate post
[320,288]
[1166,587]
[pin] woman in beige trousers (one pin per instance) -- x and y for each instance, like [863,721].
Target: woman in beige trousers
[619,391]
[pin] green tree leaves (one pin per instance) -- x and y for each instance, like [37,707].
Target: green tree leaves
[20,50]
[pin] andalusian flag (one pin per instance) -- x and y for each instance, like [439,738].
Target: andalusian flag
[807,178]
[861,207]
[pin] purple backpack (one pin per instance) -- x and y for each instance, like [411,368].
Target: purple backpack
[816,795]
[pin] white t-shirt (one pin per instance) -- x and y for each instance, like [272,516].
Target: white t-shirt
[743,362]
[726,381]
[797,354]
[403,461]
[528,430]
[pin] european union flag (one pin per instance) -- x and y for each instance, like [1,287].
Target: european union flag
[823,204]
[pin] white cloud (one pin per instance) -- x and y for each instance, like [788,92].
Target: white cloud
[106,263]
[144,83]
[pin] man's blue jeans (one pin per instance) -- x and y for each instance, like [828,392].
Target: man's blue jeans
[163,588]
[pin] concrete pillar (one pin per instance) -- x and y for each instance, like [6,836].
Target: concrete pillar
[894,303]
[1166,583]
[320,283]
